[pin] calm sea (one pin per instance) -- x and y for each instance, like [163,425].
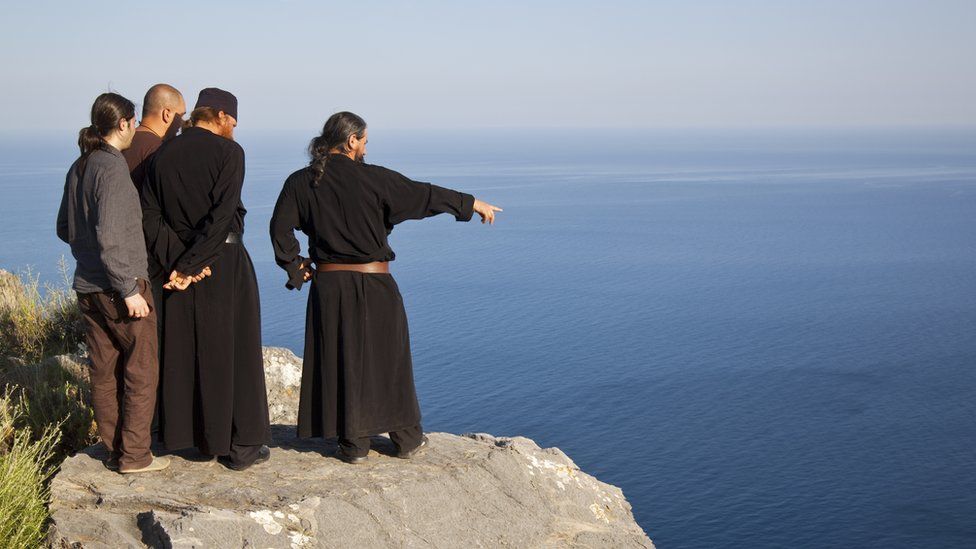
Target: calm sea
[765,338]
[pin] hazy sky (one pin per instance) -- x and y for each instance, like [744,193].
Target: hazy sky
[450,64]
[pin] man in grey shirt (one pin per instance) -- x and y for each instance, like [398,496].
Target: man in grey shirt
[101,218]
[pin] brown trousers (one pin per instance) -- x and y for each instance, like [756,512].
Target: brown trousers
[124,373]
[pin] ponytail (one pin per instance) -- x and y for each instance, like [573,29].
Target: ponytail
[319,151]
[106,112]
[89,140]
[335,134]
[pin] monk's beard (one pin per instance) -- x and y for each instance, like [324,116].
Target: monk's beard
[226,130]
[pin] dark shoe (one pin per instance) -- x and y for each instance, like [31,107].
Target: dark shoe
[264,454]
[355,460]
[415,452]
[112,464]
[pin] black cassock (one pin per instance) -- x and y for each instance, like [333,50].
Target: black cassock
[357,377]
[212,372]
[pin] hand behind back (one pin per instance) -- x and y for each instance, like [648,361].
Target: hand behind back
[179,281]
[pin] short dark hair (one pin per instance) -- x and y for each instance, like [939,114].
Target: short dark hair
[158,98]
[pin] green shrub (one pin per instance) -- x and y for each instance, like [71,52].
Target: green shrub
[54,392]
[44,408]
[26,464]
[33,327]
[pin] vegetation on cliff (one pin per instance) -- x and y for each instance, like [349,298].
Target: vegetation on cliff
[44,411]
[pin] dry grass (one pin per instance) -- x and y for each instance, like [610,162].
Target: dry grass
[53,392]
[44,401]
[35,323]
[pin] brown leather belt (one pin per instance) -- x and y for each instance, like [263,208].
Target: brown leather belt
[374,267]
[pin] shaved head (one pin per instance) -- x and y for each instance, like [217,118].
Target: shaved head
[159,97]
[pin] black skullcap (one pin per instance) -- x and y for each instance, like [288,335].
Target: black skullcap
[218,99]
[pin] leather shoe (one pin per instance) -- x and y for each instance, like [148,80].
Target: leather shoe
[264,454]
[415,452]
[355,460]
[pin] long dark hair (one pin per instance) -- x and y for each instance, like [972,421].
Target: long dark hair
[106,112]
[335,134]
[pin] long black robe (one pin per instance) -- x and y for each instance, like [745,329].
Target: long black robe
[213,373]
[357,376]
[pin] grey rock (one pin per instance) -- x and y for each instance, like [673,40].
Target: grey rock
[283,379]
[473,490]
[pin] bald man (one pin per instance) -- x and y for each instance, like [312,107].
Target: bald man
[162,116]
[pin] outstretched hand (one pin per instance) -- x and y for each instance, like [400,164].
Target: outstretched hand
[486,211]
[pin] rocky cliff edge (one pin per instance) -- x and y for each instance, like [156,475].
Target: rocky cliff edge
[473,490]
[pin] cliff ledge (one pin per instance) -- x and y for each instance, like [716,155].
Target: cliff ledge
[474,490]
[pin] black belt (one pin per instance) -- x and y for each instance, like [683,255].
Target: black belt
[234,238]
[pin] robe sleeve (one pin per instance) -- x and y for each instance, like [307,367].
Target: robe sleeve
[115,199]
[407,199]
[212,231]
[284,221]
[62,229]
[162,241]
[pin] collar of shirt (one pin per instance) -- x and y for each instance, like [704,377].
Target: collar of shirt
[147,130]
[333,156]
[112,150]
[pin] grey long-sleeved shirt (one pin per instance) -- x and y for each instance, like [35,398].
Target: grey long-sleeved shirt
[101,218]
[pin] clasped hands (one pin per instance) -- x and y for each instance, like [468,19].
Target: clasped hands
[305,266]
[179,281]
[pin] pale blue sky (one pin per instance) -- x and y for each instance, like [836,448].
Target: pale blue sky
[735,63]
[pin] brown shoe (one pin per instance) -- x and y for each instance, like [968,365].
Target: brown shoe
[157,464]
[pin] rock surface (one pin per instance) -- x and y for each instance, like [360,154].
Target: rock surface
[283,380]
[474,490]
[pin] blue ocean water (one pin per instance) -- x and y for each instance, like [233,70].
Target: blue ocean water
[765,338]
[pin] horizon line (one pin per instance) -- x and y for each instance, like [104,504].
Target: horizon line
[476,127]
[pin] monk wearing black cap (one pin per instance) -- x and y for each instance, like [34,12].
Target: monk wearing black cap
[213,393]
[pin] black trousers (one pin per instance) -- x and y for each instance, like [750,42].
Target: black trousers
[405,440]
